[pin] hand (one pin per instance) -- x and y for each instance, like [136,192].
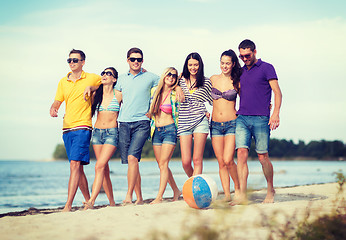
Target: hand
[208,115]
[53,112]
[274,121]
[180,94]
[148,115]
[87,93]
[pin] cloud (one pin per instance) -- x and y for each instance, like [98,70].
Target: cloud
[306,55]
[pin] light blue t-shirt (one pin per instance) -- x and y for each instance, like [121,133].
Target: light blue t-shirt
[136,95]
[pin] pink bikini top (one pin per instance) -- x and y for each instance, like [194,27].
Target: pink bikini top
[166,108]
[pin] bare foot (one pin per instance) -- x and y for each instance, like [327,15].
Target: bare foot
[157,200]
[67,209]
[177,195]
[88,205]
[239,199]
[139,202]
[125,203]
[270,197]
[227,198]
[112,204]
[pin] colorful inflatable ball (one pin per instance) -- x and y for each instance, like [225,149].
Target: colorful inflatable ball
[200,191]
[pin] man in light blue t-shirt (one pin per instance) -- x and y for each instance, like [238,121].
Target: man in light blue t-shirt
[134,125]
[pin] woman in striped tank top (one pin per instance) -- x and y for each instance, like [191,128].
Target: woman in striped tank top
[106,102]
[193,116]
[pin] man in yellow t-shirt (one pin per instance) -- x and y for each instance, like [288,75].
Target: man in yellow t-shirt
[77,124]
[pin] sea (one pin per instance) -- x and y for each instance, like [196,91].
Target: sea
[43,184]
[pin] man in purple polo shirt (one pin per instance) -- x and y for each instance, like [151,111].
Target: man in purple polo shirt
[257,82]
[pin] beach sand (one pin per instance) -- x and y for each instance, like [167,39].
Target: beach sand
[173,218]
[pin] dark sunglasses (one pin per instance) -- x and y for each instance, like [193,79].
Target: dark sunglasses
[173,75]
[75,60]
[132,59]
[247,56]
[108,73]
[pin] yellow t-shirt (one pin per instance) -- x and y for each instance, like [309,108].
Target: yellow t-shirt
[78,111]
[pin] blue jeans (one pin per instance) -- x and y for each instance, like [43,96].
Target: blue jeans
[221,129]
[132,136]
[105,136]
[165,135]
[252,126]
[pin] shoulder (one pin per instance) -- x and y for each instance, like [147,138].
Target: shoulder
[207,81]
[150,75]
[265,65]
[93,77]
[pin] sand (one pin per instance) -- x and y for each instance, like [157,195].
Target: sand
[171,220]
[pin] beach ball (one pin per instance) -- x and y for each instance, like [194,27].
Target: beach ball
[199,191]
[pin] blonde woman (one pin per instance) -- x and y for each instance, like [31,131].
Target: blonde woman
[163,110]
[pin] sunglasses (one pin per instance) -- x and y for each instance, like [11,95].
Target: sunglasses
[173,75]
[75,60]
[108,73]
[132,59]
[247,56]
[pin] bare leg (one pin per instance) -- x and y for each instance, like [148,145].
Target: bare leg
[243,172]
[103,154]
[138,190]
[72,184]
[218,146]
[163,154]
[83,184]
[198,150]
[267,168]
[132,178]
[108,187]
[229,149]
[185,148]
[172,183]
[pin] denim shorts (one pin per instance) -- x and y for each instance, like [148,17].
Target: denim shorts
[132,136]
[165,135]
[221,129]
[105,136]
[77,145]
[252,126]
[202,127]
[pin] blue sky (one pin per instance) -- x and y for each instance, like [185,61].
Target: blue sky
[304,40]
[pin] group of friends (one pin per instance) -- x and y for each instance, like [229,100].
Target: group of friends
[140,105]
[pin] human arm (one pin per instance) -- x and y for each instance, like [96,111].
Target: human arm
[274,120]
[54,108]
[180,94]
[88,91]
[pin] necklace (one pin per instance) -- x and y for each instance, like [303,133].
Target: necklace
[192,86]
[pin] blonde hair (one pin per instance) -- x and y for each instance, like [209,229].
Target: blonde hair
[155,105]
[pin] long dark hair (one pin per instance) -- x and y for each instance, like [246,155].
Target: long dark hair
[98,97]
[236,70]
[200,73]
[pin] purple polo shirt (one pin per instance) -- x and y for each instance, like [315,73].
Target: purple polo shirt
[255,91]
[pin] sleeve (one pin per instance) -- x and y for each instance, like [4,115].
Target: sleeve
[156,80]
[59,96]
[270,72]
[118,85]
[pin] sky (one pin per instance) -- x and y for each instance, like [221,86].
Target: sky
[304,40]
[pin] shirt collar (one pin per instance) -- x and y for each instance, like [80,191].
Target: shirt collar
[81,76]
[141,72]
[257,64]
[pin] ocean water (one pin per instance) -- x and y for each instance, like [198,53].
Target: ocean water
[42,185]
